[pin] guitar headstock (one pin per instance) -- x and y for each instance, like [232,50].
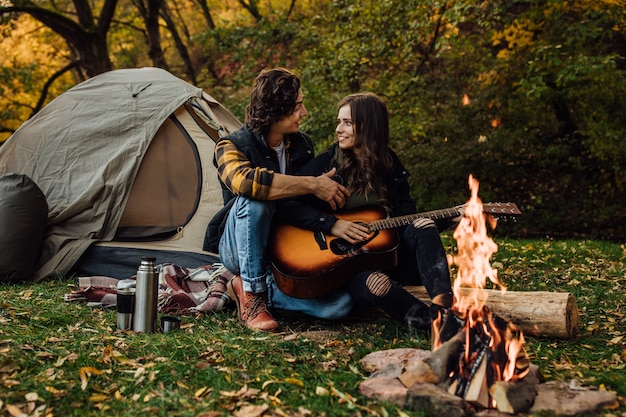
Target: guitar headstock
[501,209]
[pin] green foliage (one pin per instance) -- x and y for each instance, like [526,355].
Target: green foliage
[527,96]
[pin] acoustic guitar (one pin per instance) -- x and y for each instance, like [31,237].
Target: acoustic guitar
[309,264]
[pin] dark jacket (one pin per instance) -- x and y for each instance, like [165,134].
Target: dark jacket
[258,154]
[255,151]
[310,213]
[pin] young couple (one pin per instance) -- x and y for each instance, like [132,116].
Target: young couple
[267,169]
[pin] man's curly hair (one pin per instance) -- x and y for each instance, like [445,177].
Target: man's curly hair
[273,97]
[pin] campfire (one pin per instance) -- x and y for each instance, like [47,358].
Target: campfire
[477,361]
[483,349]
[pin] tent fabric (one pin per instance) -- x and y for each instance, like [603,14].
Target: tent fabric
[23,212]
[85,148]
[122,262]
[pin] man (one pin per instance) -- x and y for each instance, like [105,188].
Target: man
[254,166]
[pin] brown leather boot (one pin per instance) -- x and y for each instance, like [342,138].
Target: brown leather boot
[251,308]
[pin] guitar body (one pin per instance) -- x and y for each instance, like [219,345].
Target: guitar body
[307,264]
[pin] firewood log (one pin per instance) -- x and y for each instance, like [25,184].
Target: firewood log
[536,313]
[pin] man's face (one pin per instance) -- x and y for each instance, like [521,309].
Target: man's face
[291,123]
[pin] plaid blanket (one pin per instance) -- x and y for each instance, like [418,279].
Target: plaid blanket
[181,290]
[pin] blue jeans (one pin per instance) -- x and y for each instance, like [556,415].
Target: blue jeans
[333,306]
[243,252]
[244,242]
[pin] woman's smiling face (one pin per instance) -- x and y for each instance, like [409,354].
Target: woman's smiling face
[345,128]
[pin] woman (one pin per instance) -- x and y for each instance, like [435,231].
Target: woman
[373,174]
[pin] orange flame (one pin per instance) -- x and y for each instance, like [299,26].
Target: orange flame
[475,250]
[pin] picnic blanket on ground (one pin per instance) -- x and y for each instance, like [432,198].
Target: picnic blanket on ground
[181,290]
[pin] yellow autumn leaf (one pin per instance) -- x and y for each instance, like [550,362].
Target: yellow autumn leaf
[85,373]
[201,392]
[294,381]
[53,390]
[98,398]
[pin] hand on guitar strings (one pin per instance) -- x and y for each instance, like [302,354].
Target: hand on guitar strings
[350,231]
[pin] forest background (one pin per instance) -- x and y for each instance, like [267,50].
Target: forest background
[527,96]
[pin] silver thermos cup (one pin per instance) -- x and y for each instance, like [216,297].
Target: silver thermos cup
[146,295]
[125,308]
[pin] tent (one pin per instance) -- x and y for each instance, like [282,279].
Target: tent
[125,161]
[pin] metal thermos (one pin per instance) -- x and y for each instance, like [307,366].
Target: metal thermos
[146,295]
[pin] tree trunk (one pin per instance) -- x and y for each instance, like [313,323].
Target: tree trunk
[150,12]
[88,40]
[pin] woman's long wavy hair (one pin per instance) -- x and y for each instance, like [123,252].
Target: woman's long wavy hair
[368,172]
[273,97]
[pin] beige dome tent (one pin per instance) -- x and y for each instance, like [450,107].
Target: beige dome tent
[125,161]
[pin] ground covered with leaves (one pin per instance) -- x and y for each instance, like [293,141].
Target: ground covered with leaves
[68,359]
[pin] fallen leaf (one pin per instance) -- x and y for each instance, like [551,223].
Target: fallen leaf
[10,383]
[98,398]
[268,382]
[294,381]
[281,413]
[202,392]
[251,410]
[242,393]
[60,361]
[14,411]
[9,368]
[56,339]
[139,372]
[85,373]
[31,396]
[56,393]
[328,365]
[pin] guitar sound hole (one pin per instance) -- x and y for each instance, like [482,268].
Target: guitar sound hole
[340,246]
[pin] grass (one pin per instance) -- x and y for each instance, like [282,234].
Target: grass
[68,359]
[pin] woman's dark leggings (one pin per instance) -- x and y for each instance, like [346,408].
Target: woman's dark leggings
[377,289]
[421,259]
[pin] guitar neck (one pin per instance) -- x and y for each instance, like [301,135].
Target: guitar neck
[400,221]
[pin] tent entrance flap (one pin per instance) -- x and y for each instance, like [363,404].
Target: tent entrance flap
[167,189]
